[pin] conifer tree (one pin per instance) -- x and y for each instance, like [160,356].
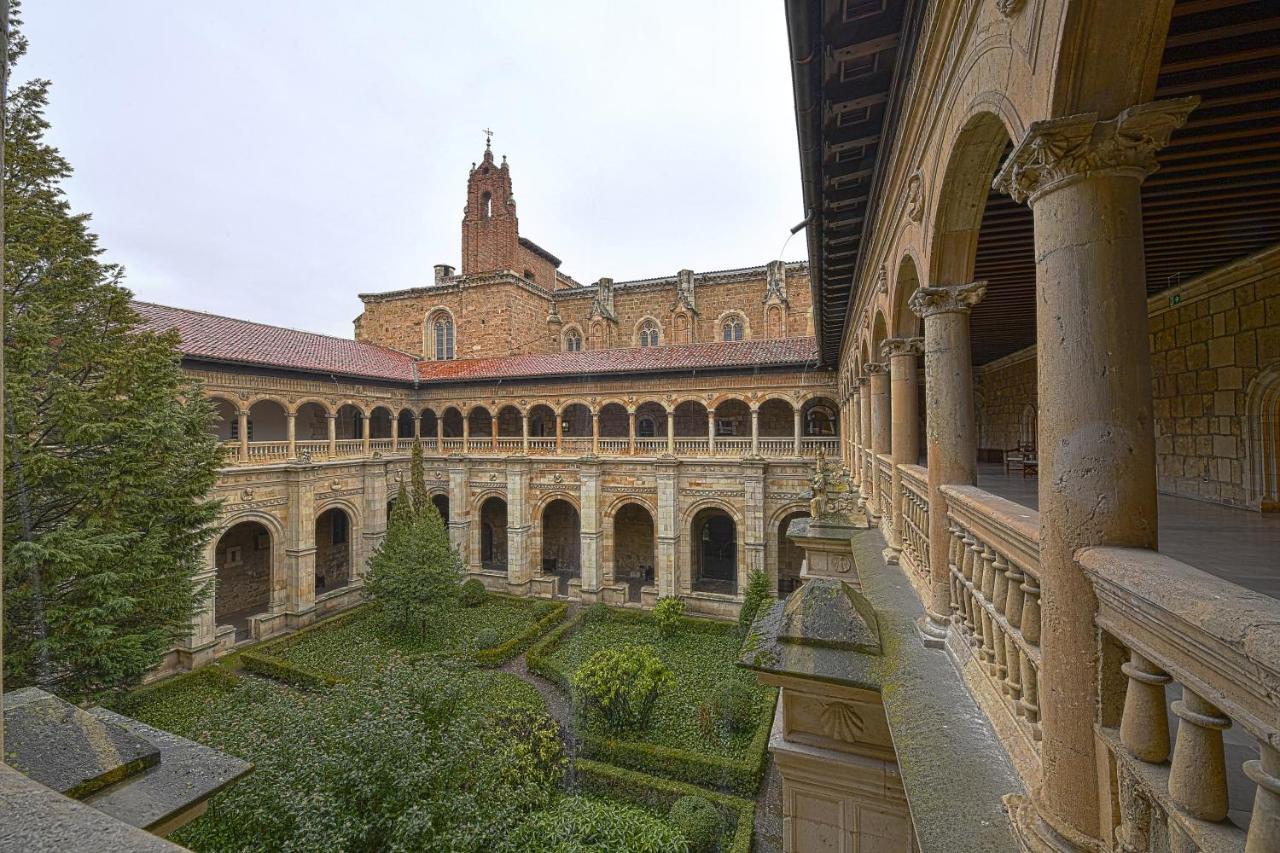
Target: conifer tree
[419,479]
[109,455]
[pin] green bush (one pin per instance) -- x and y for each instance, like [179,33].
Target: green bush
[586,824]
[545,608]
[697,821]
[499,654]
[620,686]
[734,706]
[285,672]
[596,613]
[756,596]
[473,593]
[667,613]
[487,638]
[535,741]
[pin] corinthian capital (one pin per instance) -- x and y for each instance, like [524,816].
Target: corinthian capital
[902,346]
[947,299]
[874,368]
[1058,151]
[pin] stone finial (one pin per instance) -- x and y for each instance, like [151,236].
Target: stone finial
[874,367]
[684,290]
[1061,150]
[902,346]
[775,280]
[602,305]
[943,299]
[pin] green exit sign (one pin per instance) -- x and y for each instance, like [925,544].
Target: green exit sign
[1175,299]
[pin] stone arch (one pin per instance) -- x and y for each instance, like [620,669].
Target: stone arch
[542,420]
[337,523]
[479,423]
[575,418]
[452,421]
[1027,427]
[509,421]
[429,418]
[733,417]
[1262,440]
[323,404]
[614,420]
[570,334]
[715,548]
[380,422]
[351,422]
[632,546]
[904,321]
[777,417]
[311,421]
[491,513]
[405,421]
[681,327]
[820,417]
[268,420]
[690,417]
[226,412]
[246,581]
[559,538]
[879,334]
[439,335]
[651,419]
[788,556]
[440,500]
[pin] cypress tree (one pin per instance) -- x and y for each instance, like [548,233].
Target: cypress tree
[109,454]
[419,479]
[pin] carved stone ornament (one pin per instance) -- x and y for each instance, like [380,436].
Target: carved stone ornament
[841,722]
[882,281]
[439,475]
[305,457]
[874,367]
[246,495]
[559,478]
[335,485]
[775,278]
[493,477]
[915,197]
[1009,8]
[860,381]
[1059,151]
[902,346]
[927,301]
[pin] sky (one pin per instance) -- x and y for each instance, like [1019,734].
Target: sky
[272,159]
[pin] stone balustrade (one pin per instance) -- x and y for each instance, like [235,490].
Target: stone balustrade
[884,479]
[915,519]
[995,595]
[1165,622]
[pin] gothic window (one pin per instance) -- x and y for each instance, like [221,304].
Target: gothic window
[732,328]
[440,343]
[650,335]
[572,341]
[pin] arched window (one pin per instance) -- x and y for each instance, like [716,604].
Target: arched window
[486,205]
[650,335]
[440,345]
[732,328]
[573,341]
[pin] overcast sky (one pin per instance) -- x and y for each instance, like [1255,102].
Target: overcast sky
[270,159]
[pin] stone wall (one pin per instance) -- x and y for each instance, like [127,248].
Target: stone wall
[243,560]
[1210,340]
[333,550]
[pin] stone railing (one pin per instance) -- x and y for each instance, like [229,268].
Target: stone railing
[915,518]
[884,478]
[995,595]
[263,452]
[1164,621]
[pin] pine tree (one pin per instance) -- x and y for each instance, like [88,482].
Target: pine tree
[109,455]
[419,478]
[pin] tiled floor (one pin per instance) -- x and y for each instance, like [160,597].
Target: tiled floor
[1235,544]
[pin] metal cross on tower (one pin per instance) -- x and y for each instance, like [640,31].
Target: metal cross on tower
[488,138]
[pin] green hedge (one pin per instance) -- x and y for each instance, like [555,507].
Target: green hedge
[658,794]
[286,672]
[742,776]
[503,652]
[159,690]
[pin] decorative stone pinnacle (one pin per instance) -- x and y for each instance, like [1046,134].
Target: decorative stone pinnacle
[875,367]
[902,346]
[1059,151]
[943,299]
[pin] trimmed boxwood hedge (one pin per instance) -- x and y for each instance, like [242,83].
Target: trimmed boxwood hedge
[284,671]
[503,652]
[657,794]
[739,775]
[215,674]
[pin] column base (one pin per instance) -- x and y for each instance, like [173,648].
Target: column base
[1036,835]
[933,635]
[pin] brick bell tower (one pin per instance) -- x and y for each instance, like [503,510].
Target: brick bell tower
[490,232]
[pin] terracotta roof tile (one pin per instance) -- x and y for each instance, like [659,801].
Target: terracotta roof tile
[216,338]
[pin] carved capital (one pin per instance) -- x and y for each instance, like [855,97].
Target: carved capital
[902,346]
[859,382]
[875,368]
[1059,151]
[959,298]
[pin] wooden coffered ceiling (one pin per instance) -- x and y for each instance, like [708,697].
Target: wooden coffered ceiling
[1216,197]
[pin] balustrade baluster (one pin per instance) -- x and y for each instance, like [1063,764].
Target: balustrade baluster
[1264,826]
[1197,772]
[1144,724]
[1013,678]
[1000,585]
[1031,610]
[1030,701]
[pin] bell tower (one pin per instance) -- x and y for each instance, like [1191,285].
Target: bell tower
[490,231]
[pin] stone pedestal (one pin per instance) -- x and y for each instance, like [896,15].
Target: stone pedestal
[826,547]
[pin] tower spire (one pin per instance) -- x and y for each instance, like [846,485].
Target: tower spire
[488,138]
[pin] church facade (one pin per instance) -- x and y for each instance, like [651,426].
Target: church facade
[619,441]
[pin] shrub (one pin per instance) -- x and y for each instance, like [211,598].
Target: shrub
[543,609]
[755,597]
[620,686]
[536,743]
[415,570]
[595,613]
[473,593]
[697,821]
[587,824]
[734,706]
[487,638]
[667,613]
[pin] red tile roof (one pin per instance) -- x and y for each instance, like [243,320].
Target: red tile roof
[681,357]
[223,339]
[209,336]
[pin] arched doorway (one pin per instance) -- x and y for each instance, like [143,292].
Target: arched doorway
[242,561]
[714,540]
[333,550]
[561,542]
[493,535]
[790,556]
[441,502]
[634,555]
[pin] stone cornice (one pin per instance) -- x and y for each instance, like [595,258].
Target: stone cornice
[1057,152]
[946,299]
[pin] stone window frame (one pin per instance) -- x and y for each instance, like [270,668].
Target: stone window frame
[571,333]
[433,349]
[738,321]
[648,332]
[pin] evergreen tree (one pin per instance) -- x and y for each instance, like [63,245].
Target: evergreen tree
[109,456]
[415,569]
[754,598]
[420,498]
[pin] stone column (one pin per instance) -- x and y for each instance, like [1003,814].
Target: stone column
[755,430]
[333,434]
[524,433]
[711,432]
[291,423]
[796,429]
[905,439]
[417,426]
[374,527]
[559,432]
[880,429]
[493,432]
[864,447]
[668,532]
[855,460]
[631,432]
[591,534]
[300,546]
[595,433]
[952,442]
[242,426]
[518,526]
[671,432]
[466,434]
[1082,178]
[395,432]
[460,514]
[366,430]
[440,438]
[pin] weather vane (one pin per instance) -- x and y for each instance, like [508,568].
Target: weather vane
[488,138]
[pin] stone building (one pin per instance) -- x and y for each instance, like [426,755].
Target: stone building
[613,442]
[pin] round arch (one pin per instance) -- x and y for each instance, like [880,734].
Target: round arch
[715,548]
